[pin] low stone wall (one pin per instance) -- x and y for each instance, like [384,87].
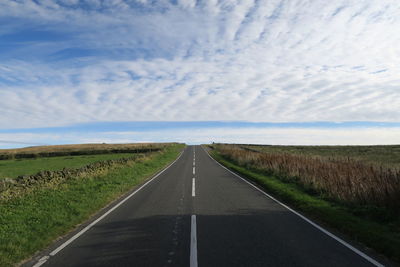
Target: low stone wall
[13,187]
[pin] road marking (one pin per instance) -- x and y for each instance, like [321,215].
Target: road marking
[193,188]
[193,243]
[41,261]
[341,241]
[69,241]
[194,170]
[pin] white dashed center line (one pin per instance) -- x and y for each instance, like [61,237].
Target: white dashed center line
[193,188]
[193,243]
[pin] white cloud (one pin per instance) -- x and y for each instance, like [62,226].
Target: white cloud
[212,60]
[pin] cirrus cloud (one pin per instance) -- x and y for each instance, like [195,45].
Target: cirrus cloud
[73,61]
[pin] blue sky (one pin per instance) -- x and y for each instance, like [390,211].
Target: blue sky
[277,72]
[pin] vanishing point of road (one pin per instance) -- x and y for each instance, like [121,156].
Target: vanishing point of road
[197,213]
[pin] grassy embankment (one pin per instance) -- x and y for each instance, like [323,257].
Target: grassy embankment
[354,197]
[32,220]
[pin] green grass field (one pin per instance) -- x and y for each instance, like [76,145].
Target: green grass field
[388,156]
[16,167]
[31,222]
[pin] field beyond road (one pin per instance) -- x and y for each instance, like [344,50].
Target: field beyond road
[387,156]
[15,167]
[75,150]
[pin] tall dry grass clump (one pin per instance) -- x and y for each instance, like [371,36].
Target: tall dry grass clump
[346,180]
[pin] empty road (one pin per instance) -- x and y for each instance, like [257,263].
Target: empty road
[196,213]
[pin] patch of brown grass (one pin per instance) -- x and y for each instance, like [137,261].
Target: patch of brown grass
[347,180]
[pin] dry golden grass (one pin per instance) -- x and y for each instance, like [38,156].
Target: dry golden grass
[348,180]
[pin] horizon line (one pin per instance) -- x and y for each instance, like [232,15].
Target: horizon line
[143,126]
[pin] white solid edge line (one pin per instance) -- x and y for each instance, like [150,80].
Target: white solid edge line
[341,241]
[69,241]
[41,261]
[193,188]
[193,243]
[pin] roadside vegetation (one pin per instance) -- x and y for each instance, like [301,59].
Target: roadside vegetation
[354,196]
[35,209]
[387,156]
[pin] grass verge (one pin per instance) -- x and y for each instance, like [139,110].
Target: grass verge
[31,222]
[383,237]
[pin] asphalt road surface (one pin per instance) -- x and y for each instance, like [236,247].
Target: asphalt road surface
[196,213]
